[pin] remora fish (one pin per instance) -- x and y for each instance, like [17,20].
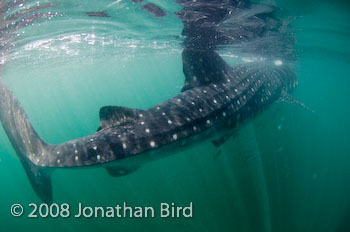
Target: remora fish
[215,97]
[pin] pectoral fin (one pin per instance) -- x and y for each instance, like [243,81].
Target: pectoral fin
[221,140]
[121,171]
[203,67]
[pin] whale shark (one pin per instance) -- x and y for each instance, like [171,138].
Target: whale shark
[216,98]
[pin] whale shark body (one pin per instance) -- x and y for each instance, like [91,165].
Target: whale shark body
[215,99]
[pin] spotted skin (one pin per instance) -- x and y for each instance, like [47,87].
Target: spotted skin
[248,90]
[220,106]
[215,97]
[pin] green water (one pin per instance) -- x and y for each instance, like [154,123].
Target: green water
[287,170]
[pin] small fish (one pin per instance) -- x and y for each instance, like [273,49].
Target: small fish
[100,14]
[155,10]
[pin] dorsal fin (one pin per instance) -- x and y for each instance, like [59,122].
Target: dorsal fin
[117,116]
[202,67]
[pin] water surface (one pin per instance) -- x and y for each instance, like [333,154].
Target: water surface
[287,170]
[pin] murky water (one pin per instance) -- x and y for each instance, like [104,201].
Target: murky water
[287,170]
